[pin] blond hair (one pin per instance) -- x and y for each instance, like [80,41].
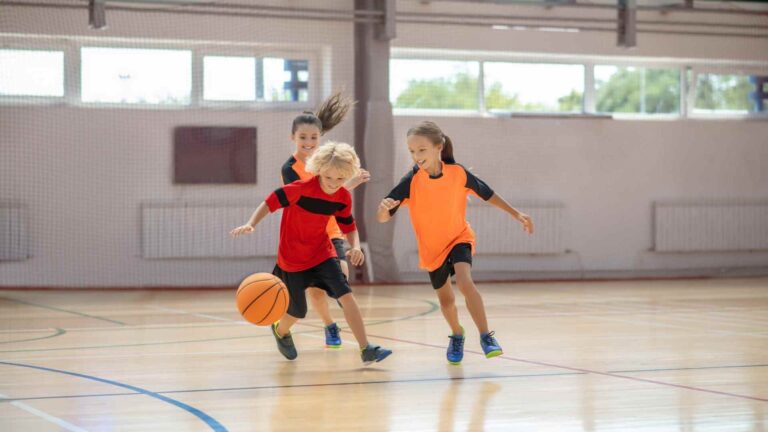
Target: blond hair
[339,156]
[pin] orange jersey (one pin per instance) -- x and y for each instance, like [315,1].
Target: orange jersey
[293,170]
[437,206]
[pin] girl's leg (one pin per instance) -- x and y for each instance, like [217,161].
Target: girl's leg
[319,303]
[448,306]
[285,324]
[354,318]
[471,295]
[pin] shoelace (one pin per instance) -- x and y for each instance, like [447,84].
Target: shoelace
[489,339]
[333,331]
[456,343]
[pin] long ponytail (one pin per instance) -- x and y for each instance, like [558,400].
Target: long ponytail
[328,115]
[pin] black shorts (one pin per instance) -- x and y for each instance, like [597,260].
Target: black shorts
[327,276]
[462,252]
[338,244]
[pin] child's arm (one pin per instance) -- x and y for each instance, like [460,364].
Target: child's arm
[524,219]
[357,180]
[261,211]
[355,254]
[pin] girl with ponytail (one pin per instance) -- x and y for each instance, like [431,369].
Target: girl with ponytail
[435,191]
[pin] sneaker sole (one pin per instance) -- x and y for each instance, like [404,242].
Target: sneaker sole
[335,347]
[377,360]
[493,354]
[454,363]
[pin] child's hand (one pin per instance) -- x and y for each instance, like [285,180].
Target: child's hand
[245,229]
[355,256]
[363,177]
[388,204]
[526,221]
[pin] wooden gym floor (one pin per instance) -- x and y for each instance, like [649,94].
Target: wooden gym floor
[673,355]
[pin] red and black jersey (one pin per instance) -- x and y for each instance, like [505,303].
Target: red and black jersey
[304,241]
[293,170]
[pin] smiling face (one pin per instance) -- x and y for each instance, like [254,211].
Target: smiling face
[424,153]
[306,138]
[331,180]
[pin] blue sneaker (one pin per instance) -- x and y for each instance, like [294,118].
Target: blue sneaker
[332,336]
[455,348]
[374,353]
[490,345]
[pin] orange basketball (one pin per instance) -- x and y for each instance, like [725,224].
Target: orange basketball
[262,298]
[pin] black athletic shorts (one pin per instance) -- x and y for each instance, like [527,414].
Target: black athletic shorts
[327,276]
[462,252]
[338,244]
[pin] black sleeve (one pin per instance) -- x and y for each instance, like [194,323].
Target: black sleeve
[402,191]
[478,186]
[288,174]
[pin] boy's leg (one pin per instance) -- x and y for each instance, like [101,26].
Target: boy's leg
[354,318]
[283,326]
[319,303]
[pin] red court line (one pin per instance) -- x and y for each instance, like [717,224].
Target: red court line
[575,369]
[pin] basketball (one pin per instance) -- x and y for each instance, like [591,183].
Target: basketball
[262,298]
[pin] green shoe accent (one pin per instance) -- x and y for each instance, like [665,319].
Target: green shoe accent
[493,354]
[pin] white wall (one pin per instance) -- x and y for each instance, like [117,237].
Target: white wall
[83,172]
[607,173]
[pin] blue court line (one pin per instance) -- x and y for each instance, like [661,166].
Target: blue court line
[59,332]
[273,387]
[62,310]
[210,421]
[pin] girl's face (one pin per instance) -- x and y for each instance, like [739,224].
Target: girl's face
[331,180]
[306,138]
[425,154]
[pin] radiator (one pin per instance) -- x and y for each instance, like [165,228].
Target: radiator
[499,234]
[192,230]
[14,237]
[703,227]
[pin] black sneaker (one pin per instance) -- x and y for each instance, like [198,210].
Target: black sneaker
[285,343]
[374,353]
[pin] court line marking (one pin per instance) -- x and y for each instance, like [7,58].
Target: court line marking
[590,371]
[282,386]
[432,308]
[59,332]
[400,381]
[210,421]
[183,312]
[44,415]
[62,310]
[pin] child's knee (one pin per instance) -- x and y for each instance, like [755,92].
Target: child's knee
[316,293]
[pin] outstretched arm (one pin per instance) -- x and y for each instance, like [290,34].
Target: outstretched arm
[261,211]
[523,218]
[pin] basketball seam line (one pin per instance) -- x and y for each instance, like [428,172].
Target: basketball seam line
[252,282]
[259,296]
[273,305]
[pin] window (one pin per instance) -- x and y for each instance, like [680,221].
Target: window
[533,87]
[729,94]
[620,89]
[435,84]
[136,76]
[229,78]
[31,73]
[283,80]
